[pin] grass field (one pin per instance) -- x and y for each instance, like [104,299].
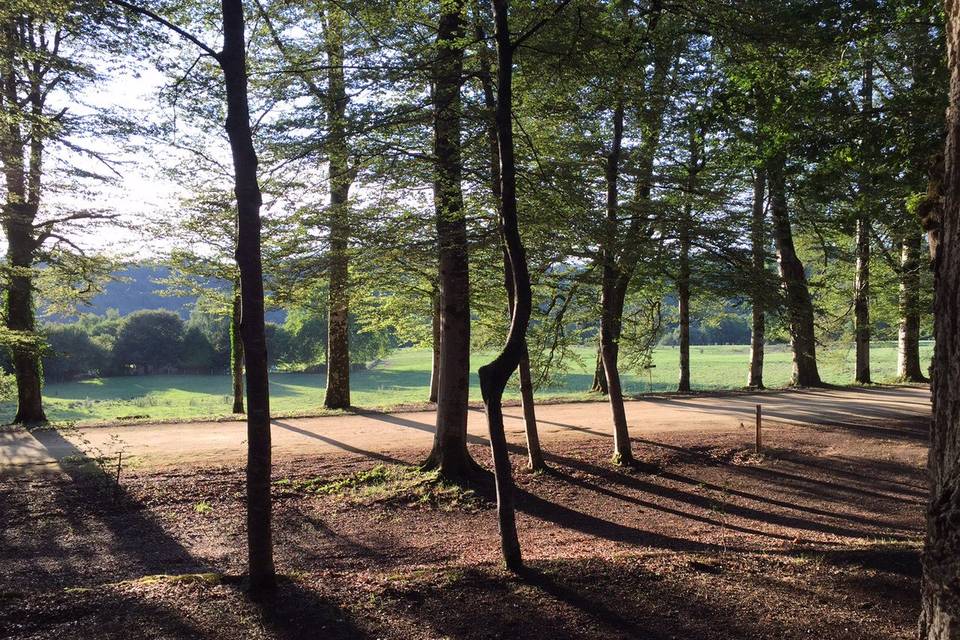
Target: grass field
[405,376]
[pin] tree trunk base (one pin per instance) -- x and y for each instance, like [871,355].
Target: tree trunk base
[461,469]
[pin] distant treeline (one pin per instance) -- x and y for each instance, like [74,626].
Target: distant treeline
[160,341]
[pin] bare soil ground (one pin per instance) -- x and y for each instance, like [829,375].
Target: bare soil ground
[819,537]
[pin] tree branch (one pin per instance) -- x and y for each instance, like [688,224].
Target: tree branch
[161,20]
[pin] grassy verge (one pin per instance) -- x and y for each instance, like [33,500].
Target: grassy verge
[403,380]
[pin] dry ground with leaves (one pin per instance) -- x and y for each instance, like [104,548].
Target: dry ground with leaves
[818,537]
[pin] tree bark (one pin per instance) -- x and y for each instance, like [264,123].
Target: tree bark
[861,287]
[619,256]
[236,351]
[599,384]
[940,588]
[759,264]
[683,277]
[22,172]
[495,375]
[435,347]
[794,279]
[20,318]
[337,394]
[449,455]
[535,459]
[908,343]
[247,189]
[612,297]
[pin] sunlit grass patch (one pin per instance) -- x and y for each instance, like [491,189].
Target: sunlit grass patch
[392,485]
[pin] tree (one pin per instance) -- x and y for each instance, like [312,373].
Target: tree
[535,458]
[800,316]
[495,375]
[622,241]
[232,60]
[759,265]
[35,77]
[72,353]
[197,354]
[861,287]
[449,454]
[340,176]
[940,616]
[150,341]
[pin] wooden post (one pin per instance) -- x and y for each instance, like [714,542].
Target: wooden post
[759,422]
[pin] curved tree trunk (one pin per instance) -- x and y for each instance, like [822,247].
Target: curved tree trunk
[236,351]
[247,189]
[940,614]
[909,368]
[495,375]
[534,452]
[449,454]
[337,394]
[759,264]
[799,303]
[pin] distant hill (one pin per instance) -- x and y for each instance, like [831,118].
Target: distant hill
[134,288]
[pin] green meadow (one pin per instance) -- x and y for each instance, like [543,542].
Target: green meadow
[404,377]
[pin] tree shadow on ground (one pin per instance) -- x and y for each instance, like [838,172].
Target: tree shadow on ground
[700,597]
[336,443]
[789,515]
[83,528]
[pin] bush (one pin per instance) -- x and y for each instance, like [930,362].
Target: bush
[149,341]
[198,355]
[72,353]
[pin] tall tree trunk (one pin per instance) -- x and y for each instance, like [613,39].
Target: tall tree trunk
[861,287]
[534,452]
[535,459]
[449,454]
[683,276]
[798,301]
[247,190]
[619,256]
[940,588]
[599,383]
[908,343]
[683,295]
[236,351]
[22,178]
[338,330]
[495,375]
[435,346]
[612,300]
[20,318]
[759,264]
[612,297]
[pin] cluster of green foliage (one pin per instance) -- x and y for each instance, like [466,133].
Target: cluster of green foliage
[160,341]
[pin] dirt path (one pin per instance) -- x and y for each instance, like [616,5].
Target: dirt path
[375,433]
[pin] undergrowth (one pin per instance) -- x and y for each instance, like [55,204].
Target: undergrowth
[392,485]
